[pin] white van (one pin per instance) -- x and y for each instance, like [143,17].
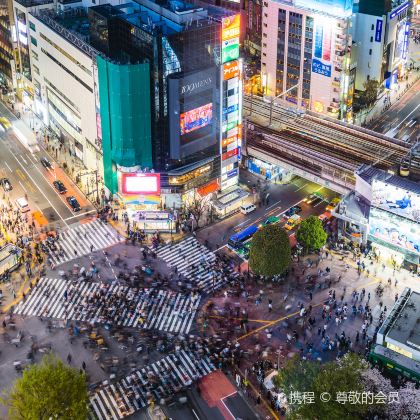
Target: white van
[22,204]
[247,208]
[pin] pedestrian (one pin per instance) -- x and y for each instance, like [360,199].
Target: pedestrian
[69,359]
[75,252]
[310,295]
[270,305]
[91,248]
[396,297]
[84,366]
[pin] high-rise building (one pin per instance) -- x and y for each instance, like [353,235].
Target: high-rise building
[7,58]
[380,41]
[147,93]
[305,59]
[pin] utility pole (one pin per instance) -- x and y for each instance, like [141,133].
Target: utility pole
[278,96]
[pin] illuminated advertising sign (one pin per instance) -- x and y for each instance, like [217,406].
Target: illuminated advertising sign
[230,154]
[140,183]
[196,118]
[230,50]
[396,200]
[394,229]
[230,70]
[231,27]
[321,60]
[332,7]
[407,32]
[399,10]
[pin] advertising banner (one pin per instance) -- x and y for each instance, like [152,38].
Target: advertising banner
[231,27]
[396,200]
[339,8]
[394,229]
[230,50]
[378,30]
[321,60]
[140,183]
[230,70]
[196,118]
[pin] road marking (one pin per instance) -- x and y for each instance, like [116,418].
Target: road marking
[20,174]
[240,224]
[40,190]
[303,186]
[24,189]
[275,204]
[81,214]
[23,159]
[195,414]
[30,187]
[8,166]
[414,110]
[220,247]
[230,412]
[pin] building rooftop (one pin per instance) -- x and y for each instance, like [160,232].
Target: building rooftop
[369,174]
[33,3]
[406,325]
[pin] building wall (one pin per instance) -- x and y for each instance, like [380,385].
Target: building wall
[369,35]
[124,92]
[310,51]
[63,77]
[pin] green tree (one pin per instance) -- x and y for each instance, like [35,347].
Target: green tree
[311,234]
[370,94]
[270,251]
[331,384]
[296,375]
[48,390]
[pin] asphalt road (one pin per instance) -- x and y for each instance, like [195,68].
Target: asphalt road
[281,198]
[402,120]
[27,176]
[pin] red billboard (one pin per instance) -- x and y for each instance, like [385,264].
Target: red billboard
[230,154]
[140,184]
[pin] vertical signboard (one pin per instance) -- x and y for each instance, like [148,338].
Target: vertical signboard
[321,60]
[231,97]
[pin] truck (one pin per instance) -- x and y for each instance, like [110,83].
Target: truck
[292,222]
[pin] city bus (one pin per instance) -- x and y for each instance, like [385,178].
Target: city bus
[10,258]
[237,240]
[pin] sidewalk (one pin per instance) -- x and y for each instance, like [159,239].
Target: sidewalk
[388,98]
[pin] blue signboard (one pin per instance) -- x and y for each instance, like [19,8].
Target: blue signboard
[378,31]
[399,10]
[320,68]
[232,173]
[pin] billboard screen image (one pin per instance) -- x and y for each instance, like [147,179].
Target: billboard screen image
[140,183]
[231,27]
[396,200]
[394,229]
[333,7]
[196,118]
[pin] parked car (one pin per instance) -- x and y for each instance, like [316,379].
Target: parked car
[333,203]
[314,199]
[6,184]
[46,163]
[74,204]
[292,222]
[59,186]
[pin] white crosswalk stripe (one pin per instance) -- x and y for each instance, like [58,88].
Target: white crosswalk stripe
[130,394]
[80,238]
[163,310]
[196,262]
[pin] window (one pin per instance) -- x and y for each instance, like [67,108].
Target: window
[264,45]
[34,41]
[36,69]
[32,26]
[265,4]
[372,27]
[371,39]
[265,25]
[264,55]
[265,35]
[370,51]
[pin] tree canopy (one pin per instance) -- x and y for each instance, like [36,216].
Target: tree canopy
[270,252]
[48,390]
[311,234]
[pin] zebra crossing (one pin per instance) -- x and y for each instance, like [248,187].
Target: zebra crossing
[196,262]
[78,240]
[156,381]
[113,304]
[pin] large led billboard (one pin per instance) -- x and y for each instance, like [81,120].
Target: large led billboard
[140,184]
[339,8]
[394,229]
[196,118]
[396,200]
